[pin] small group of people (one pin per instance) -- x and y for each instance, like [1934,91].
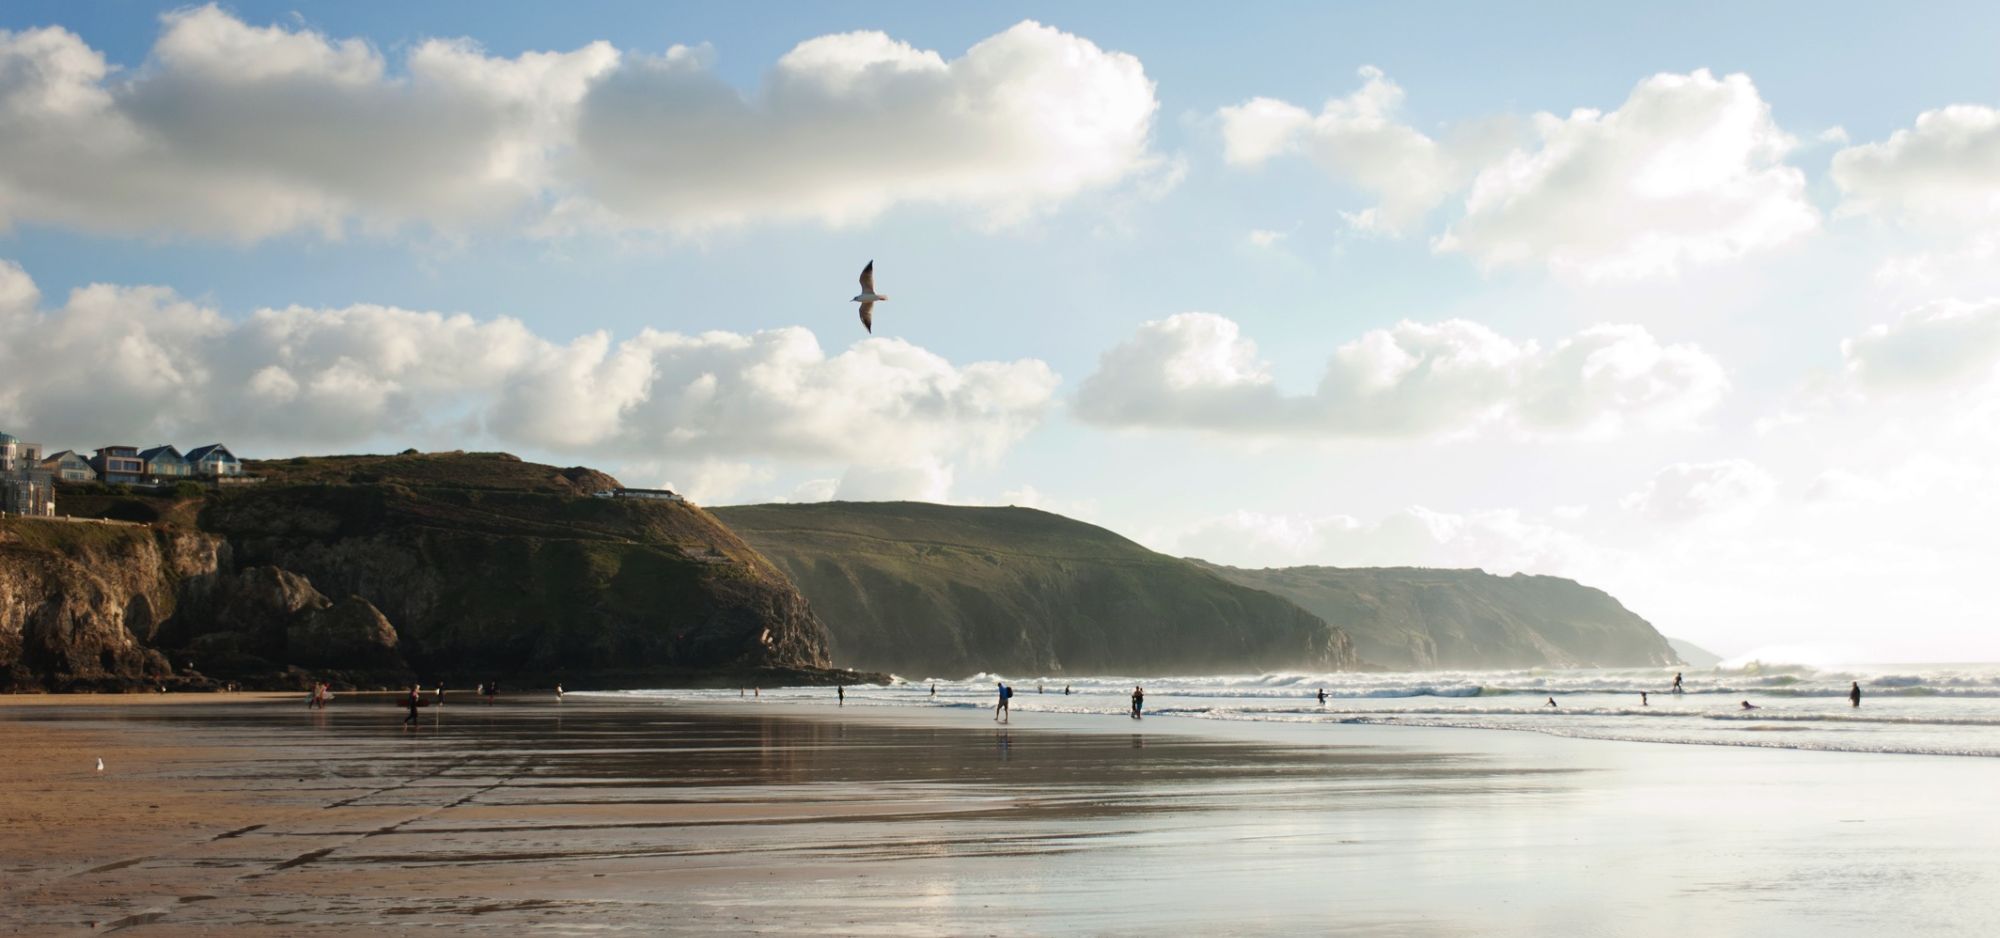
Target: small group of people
[322,692]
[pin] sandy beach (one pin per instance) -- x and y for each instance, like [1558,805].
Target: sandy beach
[254,816]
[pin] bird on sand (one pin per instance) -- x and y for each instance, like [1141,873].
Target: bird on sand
[100,764]
[868,298]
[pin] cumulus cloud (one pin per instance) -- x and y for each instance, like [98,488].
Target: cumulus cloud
[1684,492]
[1943,171]
[848,125]
[1499,541]
[1196,371]
[921,481]
[243,132]
[142,364]
[1943,344]
[237,131]
[1689,170]
[1357,139]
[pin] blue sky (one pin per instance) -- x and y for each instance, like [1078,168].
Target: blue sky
[1723,348]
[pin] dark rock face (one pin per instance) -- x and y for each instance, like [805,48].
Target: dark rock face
[936,590]
[79,618]
[1406,618]
[462,567]
[261,603]
[350,634]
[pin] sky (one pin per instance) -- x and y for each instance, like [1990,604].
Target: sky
[1696,304]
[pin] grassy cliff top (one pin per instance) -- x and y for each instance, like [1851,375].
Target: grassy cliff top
[901,524]
[500,472]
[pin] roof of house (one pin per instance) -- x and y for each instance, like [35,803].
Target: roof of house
[153,452]
[115,446]
[52,457]
[201,452]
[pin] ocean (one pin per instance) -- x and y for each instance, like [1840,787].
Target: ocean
[1915,709]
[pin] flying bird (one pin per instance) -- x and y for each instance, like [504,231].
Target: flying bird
[868,298]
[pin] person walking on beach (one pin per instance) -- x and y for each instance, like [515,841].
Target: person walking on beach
[492,691]
[438,695]
[1065,690]
[1001,712]
[312,699]
[841,689]
[1677,682]
[1138,702]
[413,701]
[558,693]
[1854,694]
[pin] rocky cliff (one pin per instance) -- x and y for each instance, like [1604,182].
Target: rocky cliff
[454,567]
[923,590]
[1406,618]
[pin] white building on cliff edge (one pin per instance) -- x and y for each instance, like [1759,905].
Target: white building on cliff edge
[25,487]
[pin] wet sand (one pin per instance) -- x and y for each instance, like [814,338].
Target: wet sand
[257,817]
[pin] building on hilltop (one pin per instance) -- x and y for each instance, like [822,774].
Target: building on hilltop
[118,465]
[28,492]
[15,454]
[664,495]
[69,466]
[164,463]
[213,461]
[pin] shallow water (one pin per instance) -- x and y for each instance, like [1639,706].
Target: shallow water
[1913,709]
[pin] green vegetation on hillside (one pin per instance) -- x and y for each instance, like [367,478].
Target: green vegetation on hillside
[921,589]
[1422,619]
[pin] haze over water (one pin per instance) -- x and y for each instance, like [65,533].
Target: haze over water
[1917,709]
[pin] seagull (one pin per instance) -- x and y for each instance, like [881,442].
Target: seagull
[100,764]
[868,298]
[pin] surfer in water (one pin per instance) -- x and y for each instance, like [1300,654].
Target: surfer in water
[1322,696]
[1854,694]
[1747,705]
[1552,702]
[1642,699]
[1677,682]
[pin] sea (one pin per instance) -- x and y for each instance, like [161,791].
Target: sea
[1945,709]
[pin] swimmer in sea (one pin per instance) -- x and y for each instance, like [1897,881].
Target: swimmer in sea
[1854,694]
[1747,705]
[1642,699]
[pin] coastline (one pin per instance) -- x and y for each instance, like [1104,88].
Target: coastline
[602,816]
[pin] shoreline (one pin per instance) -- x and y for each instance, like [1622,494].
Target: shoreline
[595,816]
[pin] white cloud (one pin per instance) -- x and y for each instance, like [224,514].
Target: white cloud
[1946,344]
[1265,238]
[713,481]
[921,481]
[849,125]
[1943,171]
[1688,171]
[244,132]
[1730,489]
[1499,541]
[1196,371]
[140,364]
[1356,139]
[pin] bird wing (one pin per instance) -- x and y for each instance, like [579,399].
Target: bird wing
[868,278]
[868,317]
